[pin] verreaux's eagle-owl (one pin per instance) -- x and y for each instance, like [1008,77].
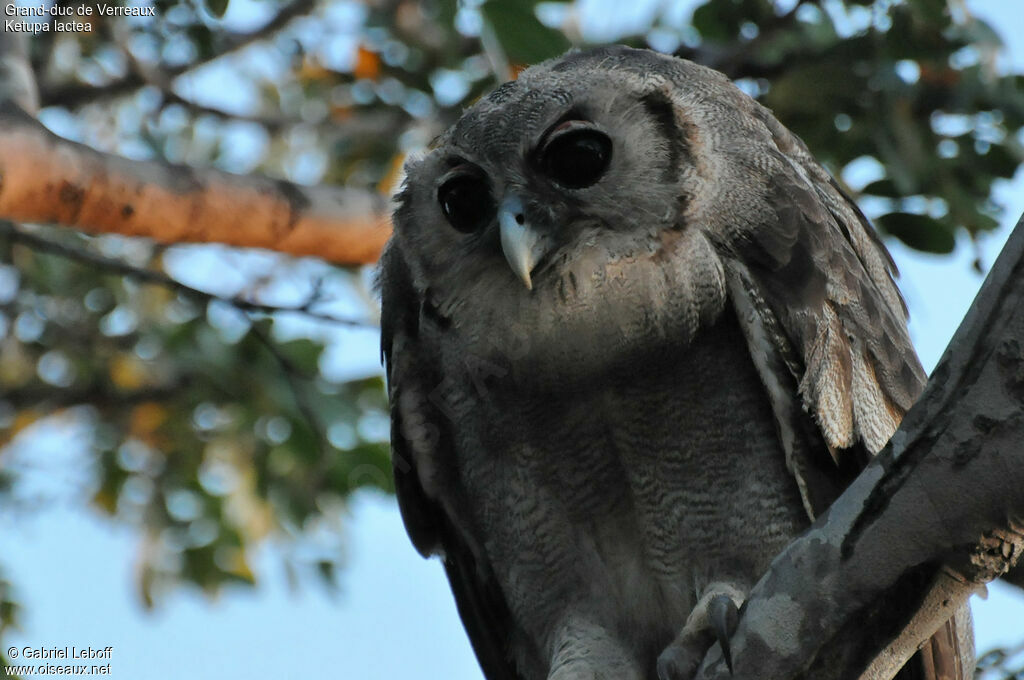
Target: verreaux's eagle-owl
[636,339]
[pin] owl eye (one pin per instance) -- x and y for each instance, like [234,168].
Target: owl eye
[466,202]
[576,156]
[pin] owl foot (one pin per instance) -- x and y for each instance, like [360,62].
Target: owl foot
[723,615]
[714,619]
[584,651]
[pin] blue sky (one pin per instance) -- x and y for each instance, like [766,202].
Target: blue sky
[393,615]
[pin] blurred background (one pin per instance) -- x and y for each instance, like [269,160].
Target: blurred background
[193,439]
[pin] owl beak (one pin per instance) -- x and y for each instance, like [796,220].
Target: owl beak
[522,245]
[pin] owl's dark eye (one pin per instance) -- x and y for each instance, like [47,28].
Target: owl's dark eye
[466,202]
[576,155]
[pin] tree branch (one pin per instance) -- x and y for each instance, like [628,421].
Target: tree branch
[938,512]
[113,266]
[44,178]
[75,94]
[271,123]
[99,394]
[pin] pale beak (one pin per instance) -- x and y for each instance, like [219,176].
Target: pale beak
[522,245]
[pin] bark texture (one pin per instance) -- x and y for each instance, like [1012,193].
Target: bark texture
[44,178]
[937,514]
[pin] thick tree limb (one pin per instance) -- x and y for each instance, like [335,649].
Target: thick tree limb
[940,511]
[44,178]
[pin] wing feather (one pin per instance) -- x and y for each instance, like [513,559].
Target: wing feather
[838,307]
[815,289]
[420,437]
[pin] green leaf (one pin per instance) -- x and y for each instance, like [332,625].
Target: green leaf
[932,11]
[918,231]
[982,222]
[521,34]
[721,20]
[304,355]
[717,20]
[1000,160]
[216,7]
[882,187]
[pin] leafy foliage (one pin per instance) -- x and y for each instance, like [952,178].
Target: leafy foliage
[214,425]
[208,431]
[8,609]
[903,84]
[1007,664]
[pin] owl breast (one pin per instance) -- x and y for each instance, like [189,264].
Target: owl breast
[630,494]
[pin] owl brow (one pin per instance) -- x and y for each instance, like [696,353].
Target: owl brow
[454,161]
[660,108]
[574,113]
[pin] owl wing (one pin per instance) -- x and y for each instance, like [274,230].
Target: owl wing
[416,424]
[813,288]
[826,325]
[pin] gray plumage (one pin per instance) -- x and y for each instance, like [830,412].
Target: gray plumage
[708,346]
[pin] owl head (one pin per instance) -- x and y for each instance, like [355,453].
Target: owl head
[574,205]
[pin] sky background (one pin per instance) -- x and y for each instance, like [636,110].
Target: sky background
[393,615]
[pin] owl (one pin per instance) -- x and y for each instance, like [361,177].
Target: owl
[636,340]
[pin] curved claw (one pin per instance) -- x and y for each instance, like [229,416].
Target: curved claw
[723,617]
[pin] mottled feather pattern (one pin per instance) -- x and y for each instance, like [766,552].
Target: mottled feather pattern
[709,349]
[827,281]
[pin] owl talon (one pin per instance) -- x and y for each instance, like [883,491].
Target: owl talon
[723,615]
[713,619]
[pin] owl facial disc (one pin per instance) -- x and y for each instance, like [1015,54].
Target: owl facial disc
[522,244]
